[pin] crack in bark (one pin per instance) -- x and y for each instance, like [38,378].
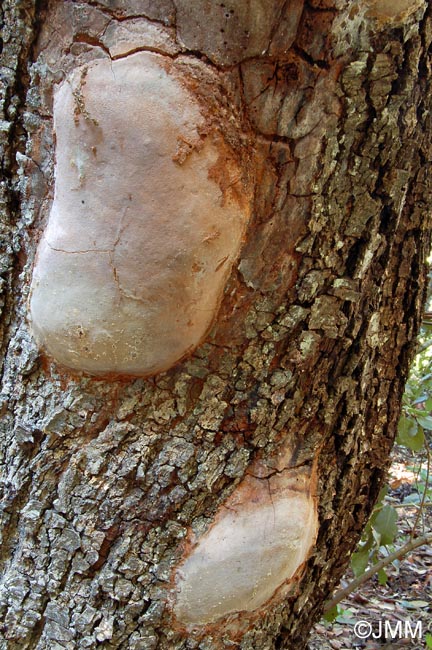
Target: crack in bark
[118,17]
[84,251]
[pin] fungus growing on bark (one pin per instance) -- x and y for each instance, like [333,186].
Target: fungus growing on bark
[260,538]
[144,225]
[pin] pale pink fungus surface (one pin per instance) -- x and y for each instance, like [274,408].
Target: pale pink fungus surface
[141,238]
[258,541]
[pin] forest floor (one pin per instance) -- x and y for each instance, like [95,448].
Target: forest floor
[376,617]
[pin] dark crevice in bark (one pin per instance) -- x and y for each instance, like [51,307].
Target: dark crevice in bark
[14,103]
[19,91]
[320,9]
[320,63]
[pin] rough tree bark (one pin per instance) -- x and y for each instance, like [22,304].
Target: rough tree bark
[109,482]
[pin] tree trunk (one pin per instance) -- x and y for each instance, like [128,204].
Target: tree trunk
[115,487]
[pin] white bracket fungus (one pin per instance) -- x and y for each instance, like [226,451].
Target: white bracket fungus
[260,538]
[142,233]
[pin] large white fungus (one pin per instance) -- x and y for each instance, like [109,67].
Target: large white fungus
[260,538]
[142,235]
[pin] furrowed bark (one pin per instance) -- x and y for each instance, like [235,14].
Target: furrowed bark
[107,482]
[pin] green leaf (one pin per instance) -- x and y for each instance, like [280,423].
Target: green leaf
[382,577]
[404,425]
[376,537]
[331,615]
[346,618]
[410,434]
[385,524]
[428,639]
[359,562]
[425,421]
